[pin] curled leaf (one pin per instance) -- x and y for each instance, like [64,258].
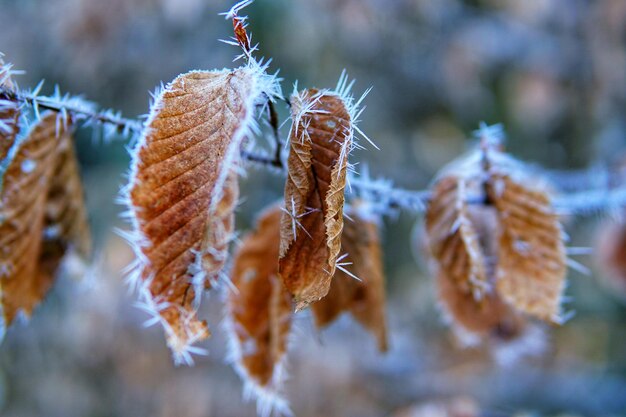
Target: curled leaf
[454,240]
[320,141]
[358,286]
[183,193]
[259,314]
[34,235]
[458,237]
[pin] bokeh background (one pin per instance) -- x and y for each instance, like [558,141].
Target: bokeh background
[552,71]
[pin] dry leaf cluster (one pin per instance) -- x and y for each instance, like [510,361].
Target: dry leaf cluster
[497,243]
[492,228]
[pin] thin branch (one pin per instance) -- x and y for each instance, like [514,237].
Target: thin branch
[380,191]
[74,106]
[273,120]
[592,201]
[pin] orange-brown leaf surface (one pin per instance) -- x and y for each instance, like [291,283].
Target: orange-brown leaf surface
[364,299]
[66,224]
[531,267]
[25,188]
[453,238]
[320,141]
[260,310]
[461,240]
[183,193]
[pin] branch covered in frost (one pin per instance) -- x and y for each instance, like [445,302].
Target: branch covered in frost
[81,110]
[592,202]
[384,196]
[379,191]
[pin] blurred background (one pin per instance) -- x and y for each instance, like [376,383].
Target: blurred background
[552,71]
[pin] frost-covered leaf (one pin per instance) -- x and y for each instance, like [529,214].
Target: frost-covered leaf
[497,243]
[453,238]
[66,225]
[183,193]
[25,275]
[358,286]
[531,254]
[320,141]
[259,314]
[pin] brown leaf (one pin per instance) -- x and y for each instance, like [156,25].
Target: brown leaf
[479,317]
[461,240]
[364,299]
[25,187]
[531,254]
[260,310]
[183,193]
[498,244]
[320,141]
[453,238]
[66,224]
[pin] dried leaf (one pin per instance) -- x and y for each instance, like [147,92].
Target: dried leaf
[457,237]
[531,254]
[498,244]
[66,224]
[259,313]
[364,299]
[25,188]
[481,318]
[320,141]
[183,193]
[453,238]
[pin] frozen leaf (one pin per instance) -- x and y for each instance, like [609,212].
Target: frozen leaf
[183,193]
[497,242]
[320,141]
[531,255]
[461,240]
[25,187]
[468,316]
[259,314]
[358,286]
[453,238]
[66,225]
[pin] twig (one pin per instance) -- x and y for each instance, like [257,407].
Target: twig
[578,203]
[65,105]
[273,120]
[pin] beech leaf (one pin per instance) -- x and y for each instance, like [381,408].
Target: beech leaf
[358,287]
[320,141]
[34,234]
[183,193]
[260,314]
